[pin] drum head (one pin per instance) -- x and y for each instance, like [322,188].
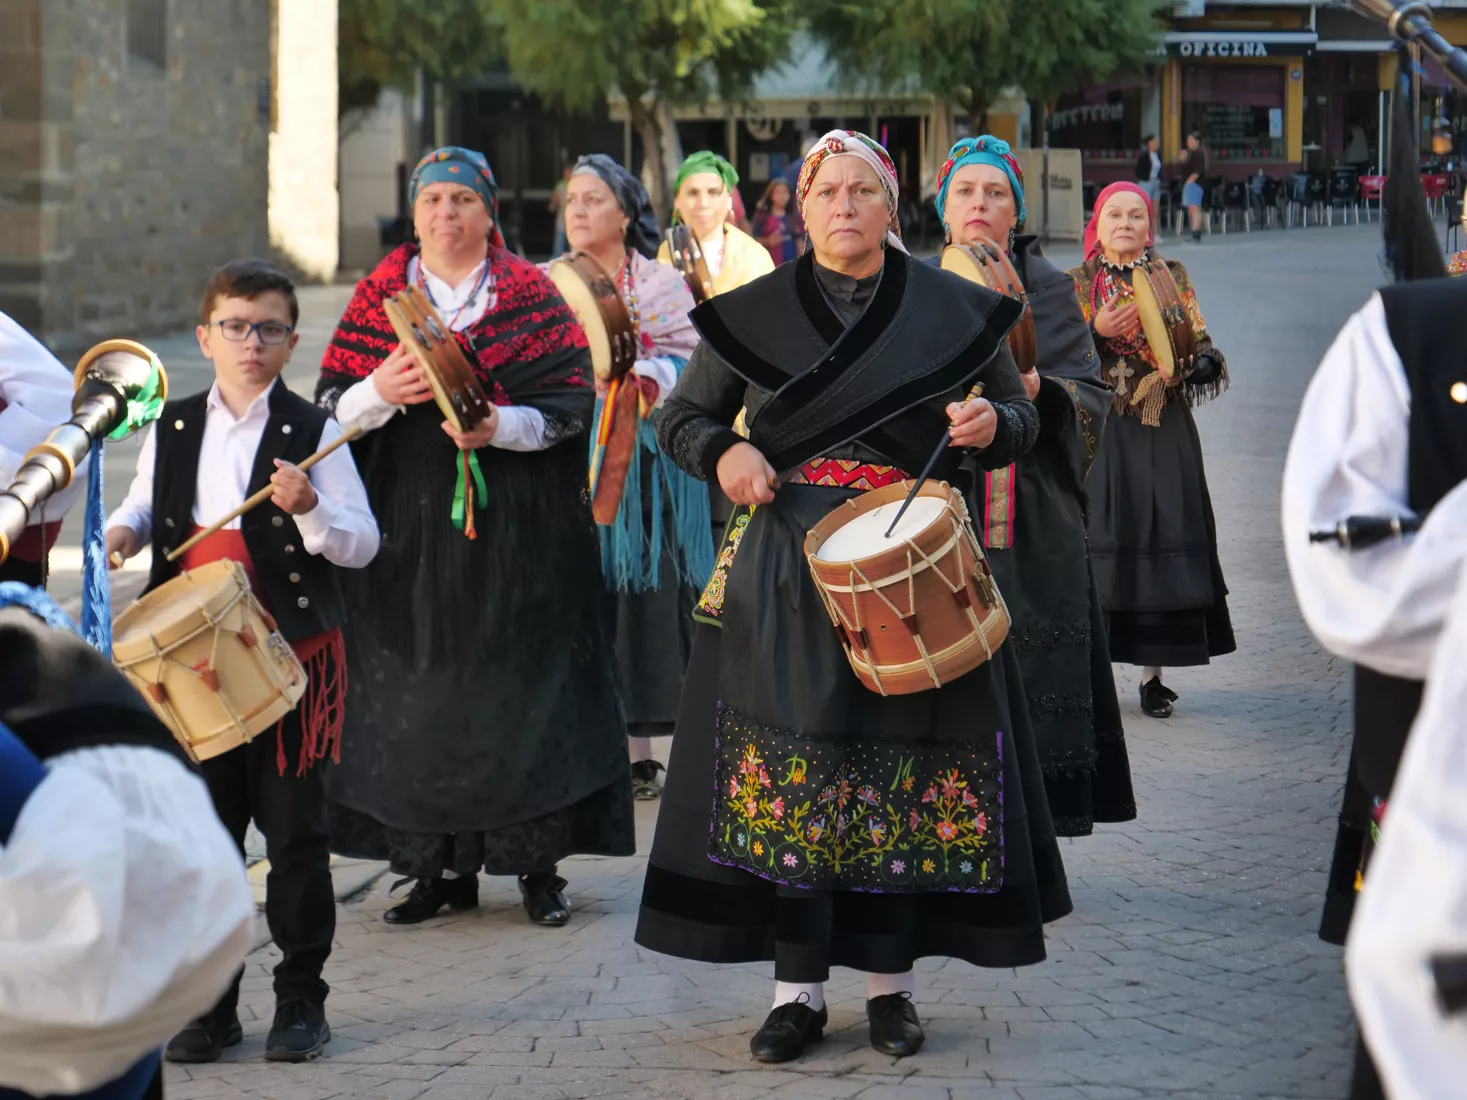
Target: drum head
[584,305]
[962,260]
[174,608]
[1158,335]
[865,535]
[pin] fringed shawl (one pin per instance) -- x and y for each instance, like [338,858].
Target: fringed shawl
[1129,365]
[631,554]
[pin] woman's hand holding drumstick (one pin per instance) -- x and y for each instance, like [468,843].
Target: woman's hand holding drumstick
[745,476]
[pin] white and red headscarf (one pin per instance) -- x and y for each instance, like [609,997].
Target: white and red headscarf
[851,143]
[1092,231]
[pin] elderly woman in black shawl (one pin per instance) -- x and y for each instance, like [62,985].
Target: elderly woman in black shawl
[1033,512]
[807,819]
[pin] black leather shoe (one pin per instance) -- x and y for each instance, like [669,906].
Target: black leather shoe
[299,1032]
[544,898]
[646,782]
[1157,698]
[429,895]
[788,1031]
[895,1029]
[203,1041]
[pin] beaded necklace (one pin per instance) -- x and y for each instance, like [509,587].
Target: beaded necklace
[486,279]
[629,295]
[1109,282]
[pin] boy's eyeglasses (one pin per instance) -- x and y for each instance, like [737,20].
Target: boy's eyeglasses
[272,333]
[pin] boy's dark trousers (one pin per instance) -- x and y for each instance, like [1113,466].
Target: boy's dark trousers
[290,810]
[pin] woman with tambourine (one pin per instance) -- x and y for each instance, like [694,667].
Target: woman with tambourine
[483,729]
[1032,513]
[1153,541]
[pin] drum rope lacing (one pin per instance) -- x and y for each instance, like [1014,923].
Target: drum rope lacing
[160,655]
[988,593]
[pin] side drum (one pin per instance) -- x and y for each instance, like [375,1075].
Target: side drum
[914,611]
[208,659]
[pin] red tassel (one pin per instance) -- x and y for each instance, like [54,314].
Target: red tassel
[323,707]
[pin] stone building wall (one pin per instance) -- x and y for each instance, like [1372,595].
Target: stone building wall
[125,182]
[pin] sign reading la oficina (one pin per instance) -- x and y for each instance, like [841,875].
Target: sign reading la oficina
[1215,48]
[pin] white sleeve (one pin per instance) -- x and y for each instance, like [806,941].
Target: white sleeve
[37,391]
[1414,904]
[341,527]
[663,371]
[126,913]
[136,509]
[521,428]
[362,405]
[1382,606]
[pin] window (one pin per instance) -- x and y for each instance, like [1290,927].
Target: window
[1239,109]
[1105,122]
[147,31]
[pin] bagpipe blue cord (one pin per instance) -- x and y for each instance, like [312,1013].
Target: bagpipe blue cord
[96,613]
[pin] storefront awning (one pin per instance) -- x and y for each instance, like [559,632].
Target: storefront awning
[1205,44]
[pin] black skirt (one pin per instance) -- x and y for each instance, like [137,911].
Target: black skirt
[1153,543]
[1058,637]
[772,718]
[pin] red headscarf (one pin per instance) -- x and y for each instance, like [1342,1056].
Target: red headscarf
[1092,231]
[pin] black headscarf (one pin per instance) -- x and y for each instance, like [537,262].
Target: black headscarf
[642,234]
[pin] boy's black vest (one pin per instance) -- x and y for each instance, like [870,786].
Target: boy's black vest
[1423,319]
[300,588]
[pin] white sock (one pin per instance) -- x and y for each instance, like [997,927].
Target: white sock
[884,985]
[639,748]
[446,873]
[1149,673]
[810,995]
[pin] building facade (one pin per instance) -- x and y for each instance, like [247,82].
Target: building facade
[135,155]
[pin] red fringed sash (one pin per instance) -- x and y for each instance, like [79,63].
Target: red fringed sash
[323,708]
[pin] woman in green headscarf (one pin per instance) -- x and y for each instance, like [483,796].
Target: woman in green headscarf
[704,200]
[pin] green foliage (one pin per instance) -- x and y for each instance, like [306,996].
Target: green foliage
[383,43]
[970,52]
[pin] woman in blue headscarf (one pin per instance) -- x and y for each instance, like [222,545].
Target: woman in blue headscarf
[1032,513]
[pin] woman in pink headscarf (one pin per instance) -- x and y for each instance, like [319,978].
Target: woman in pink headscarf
[1153,541]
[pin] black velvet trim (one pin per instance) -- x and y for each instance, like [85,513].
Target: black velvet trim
[850,343]
[752,368]
[807,292]
[955,374]
[717,446]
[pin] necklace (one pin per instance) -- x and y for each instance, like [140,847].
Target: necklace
[1131,266]
[486,279]
[1110,281]
[629,295]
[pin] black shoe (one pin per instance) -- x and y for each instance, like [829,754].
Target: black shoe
[430,895]
[203,1041]
[299,1032]
[1157,698]
[788,1031]
[1197,237]
[544,900]
[895,1029]
[646,782]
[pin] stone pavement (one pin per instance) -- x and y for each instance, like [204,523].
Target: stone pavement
[1190,967]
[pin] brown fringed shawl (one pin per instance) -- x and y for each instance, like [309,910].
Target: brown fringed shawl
[1128,364]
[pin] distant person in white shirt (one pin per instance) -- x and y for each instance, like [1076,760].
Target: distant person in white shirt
[1148,173]
[124,907]
[35,397]
[206,454]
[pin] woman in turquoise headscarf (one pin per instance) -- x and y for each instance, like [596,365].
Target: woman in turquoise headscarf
[1032,513]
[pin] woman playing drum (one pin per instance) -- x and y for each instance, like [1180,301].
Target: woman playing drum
[1152,537]
[1033,512]
[807,818]
[483,727]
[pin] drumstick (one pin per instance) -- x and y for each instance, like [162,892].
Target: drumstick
[262,496]
[973,395]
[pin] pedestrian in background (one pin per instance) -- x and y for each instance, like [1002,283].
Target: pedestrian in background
[1148,172]
[1194,167]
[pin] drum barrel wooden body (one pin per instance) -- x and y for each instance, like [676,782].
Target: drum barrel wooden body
[208,659]
[918,611]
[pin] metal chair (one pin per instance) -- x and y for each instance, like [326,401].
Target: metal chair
[1436,189]
[1234,197]
[1372,189]
[1344,192]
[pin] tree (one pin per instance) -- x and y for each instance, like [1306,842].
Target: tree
[656,53]
[386,43]
[970,52]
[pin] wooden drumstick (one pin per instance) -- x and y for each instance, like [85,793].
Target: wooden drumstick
[262,496]
[973,395]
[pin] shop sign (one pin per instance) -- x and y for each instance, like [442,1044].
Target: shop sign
[1215,48]
[1093,112]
